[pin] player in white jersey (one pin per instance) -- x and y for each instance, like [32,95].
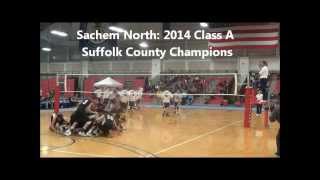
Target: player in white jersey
[139,94]
[106,94]
[166,98]
[124,99]
[132,99]
[177,98]
[98,93]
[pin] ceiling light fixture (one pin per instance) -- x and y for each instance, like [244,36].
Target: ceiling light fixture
[59,33]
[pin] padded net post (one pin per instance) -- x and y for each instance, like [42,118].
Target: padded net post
[266,118]
[57,93]
[248,106]
[266,111]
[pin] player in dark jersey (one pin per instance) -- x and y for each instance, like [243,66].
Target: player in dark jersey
[108,115]
[107,124]
[94,130]
[84,114]
[58,124]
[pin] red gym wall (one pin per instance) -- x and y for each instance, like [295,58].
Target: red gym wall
[47,85]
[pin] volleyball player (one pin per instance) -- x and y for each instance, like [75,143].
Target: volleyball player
[132,100]
[166,98]
[259,98]
[99,94]
[107,124]
[85,112]
[106,93]
[94,129]
[124,98]
[177,101]
[124,106]
[103,121]
[264,73]
[139,94]
[275,116]
[116,110]
[58,123]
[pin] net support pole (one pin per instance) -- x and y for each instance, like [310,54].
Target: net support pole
[248,106]
[266,110]
[266,114]
[266,118]
[235,84]
[57,96]
[65,82]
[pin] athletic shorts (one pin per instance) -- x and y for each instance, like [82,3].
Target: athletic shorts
[131,103]
[80,118]
[166,105]
[106,126]
[124,106]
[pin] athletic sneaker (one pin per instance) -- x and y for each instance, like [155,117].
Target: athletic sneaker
[89,134]
[94,134]
[61,129]
[97,132]
[68,132]
[81,133]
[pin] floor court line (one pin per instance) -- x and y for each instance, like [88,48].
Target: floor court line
[126,147]
[195,138]
[86,154]
[133,149]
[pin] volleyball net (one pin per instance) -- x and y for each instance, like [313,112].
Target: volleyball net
[204,89]
[205,86]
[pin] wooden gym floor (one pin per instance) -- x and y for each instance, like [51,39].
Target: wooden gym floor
[194,133]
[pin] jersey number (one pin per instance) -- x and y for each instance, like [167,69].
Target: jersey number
[85,102]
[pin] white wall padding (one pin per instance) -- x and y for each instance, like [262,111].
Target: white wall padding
[99,67]
[142,66]
[199,65]
[73,67]
[120,67]
[56,67]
